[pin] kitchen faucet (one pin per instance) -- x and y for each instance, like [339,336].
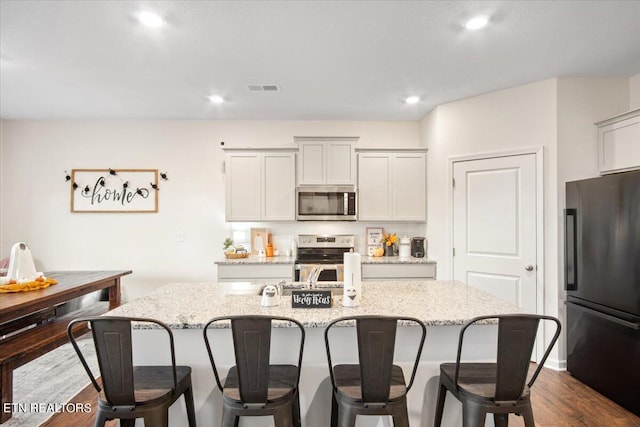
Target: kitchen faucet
[312,278]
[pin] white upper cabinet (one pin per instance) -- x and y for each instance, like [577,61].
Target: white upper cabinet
[243,189]
[619,143]
[392,185]
[326,161]
[260,185]
[409,189]
[374,186]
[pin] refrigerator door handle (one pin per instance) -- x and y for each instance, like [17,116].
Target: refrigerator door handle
[625,323]
[570,249]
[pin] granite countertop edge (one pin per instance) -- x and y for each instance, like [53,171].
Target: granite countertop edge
[435,302]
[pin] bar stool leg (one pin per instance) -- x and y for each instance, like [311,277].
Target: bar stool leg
[297,422]
[442,395]
[347,417]
[191,411]
[334,410]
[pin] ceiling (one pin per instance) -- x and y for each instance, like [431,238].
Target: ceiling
[332,60]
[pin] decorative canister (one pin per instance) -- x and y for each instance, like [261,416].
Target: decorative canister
[405,247]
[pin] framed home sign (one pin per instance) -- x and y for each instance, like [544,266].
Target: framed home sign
[114,190]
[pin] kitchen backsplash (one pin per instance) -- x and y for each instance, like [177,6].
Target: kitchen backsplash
[284,232]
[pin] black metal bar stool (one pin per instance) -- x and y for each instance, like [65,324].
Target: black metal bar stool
[254,386]
[499,388]
[374,385]
[129,392]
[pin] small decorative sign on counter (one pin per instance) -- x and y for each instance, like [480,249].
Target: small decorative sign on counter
[311,299]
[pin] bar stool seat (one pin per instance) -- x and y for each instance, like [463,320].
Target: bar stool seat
[152,384]
[349,383]
[281,385]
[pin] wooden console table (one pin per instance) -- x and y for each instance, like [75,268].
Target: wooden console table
[31,324]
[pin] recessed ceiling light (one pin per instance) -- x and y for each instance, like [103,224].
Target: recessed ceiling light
[216,99]
[477,22]
[412,100]
[150,19]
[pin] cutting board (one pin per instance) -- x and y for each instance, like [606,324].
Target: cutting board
[259,235]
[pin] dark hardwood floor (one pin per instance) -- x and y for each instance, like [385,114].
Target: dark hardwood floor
[559,400]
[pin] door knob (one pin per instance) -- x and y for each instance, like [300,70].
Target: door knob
[529,267]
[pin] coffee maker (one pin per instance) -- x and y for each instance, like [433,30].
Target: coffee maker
[417,247]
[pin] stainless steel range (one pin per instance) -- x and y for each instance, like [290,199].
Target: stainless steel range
[324,254]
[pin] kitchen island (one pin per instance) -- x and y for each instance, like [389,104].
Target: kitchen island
[444,306]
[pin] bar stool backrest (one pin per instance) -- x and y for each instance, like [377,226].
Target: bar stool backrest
[252,346]
[376,345]
[376,336]
[516,337]
[113,344]
[115,358]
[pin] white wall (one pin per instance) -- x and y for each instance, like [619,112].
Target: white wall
[36,197]
[634,92]
[518,117]
[557,114]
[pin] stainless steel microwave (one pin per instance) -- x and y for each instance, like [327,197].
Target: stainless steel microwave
[326,203]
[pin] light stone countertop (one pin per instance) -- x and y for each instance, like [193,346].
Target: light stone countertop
[396,260]
[437,303]
[258,260]
[291,260]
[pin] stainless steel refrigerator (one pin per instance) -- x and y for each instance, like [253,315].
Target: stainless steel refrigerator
[602,280]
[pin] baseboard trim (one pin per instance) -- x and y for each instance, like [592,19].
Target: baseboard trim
[556,365]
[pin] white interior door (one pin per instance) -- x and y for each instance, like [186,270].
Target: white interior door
[494,227]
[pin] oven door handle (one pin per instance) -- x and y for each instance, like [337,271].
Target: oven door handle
[325,266]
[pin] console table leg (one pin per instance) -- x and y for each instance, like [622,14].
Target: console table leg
[6,385]
[114,294]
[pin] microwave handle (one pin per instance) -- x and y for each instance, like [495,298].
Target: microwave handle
[345,205]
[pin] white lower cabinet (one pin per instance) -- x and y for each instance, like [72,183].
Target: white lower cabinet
[259,185]
[619,143]
[398,271]
[392,185]
[254,272]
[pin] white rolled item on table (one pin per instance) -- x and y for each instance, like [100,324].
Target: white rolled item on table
[352,280]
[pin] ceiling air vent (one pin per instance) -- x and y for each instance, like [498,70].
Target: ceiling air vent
[263,88]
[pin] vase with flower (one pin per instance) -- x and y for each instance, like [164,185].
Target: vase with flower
[389,243]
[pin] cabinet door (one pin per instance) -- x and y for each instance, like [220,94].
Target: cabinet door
[311,170]
[279,186]
[340,163]
[374,197]
[409,187]
[619,145]
[242,182]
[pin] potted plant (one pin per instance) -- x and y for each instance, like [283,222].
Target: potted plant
[389,243]
[227,245]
